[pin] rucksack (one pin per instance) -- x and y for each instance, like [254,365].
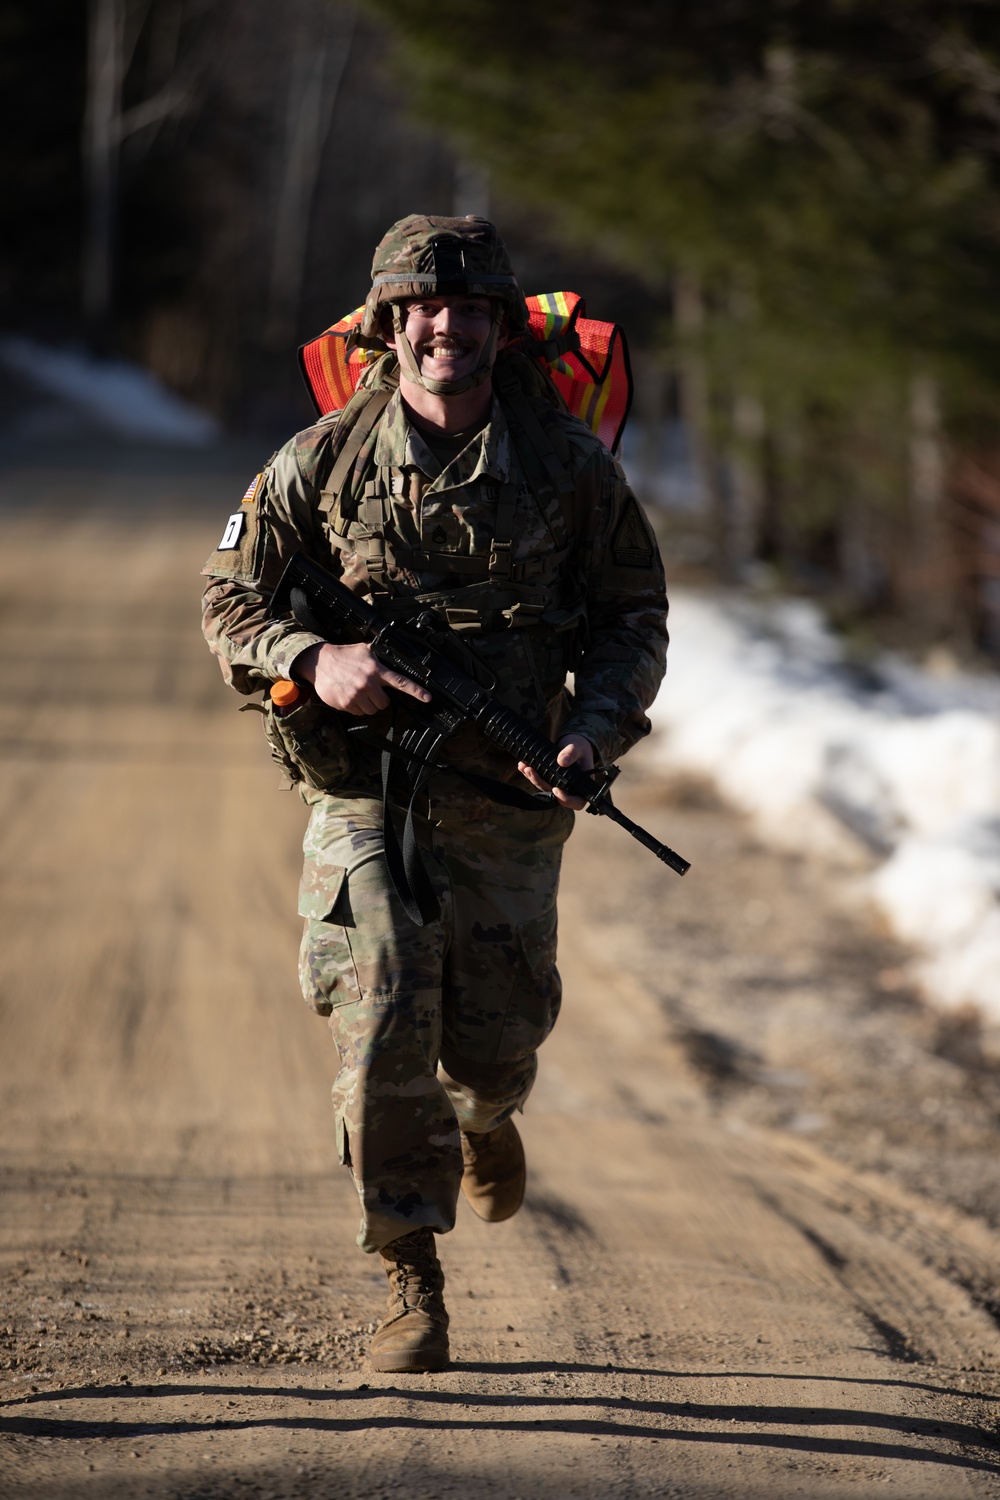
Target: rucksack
[583,361]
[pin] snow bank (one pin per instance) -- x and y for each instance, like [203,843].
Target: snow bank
[825,757]
[119,397]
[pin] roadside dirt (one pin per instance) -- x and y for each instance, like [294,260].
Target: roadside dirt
[759,1257]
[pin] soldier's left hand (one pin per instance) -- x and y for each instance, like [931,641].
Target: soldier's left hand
[574,750]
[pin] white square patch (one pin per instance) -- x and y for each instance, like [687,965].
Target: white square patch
[233,532]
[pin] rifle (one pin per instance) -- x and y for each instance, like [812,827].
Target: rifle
[430,654]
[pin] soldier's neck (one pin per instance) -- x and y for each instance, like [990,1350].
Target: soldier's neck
[448,413]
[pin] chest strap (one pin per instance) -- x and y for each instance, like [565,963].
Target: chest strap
[503,532]
[373,508]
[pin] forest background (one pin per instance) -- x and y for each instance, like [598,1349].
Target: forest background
[792,205]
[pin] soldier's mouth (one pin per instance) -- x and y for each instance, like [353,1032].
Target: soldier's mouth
[446,351]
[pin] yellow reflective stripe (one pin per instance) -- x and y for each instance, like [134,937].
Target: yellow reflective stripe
[586,399]
[346,324]
[603,394]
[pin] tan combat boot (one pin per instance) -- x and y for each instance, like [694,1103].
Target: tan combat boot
[414,1334]
[493,1181]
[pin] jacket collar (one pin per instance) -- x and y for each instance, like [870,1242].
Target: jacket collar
[399,445]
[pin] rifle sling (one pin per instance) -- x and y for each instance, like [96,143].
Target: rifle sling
[407,870]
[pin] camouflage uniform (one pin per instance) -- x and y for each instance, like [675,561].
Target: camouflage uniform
[437,1027]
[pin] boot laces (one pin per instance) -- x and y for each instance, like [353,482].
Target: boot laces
[417,1276]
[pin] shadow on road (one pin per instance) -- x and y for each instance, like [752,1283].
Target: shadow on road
[610,1416]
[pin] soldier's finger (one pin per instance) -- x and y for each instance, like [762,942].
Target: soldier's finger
[375,695]
[403,685]
[533,776]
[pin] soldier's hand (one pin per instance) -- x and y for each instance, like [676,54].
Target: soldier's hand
[351,678]
[574,750]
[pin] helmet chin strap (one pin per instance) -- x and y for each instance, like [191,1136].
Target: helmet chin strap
[479,376]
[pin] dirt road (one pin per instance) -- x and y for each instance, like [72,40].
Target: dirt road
[744,1269]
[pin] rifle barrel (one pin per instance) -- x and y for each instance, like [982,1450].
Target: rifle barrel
[669,856]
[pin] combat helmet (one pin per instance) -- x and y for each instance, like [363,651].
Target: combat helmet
[423,256]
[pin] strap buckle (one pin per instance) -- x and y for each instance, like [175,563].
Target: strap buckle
[499,558]
[522,614]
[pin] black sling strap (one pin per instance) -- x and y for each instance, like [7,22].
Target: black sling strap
[406,867]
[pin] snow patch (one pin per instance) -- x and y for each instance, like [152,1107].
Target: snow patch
[889,760]
[119,397]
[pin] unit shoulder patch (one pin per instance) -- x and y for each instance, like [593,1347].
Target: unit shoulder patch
[239,553]
[233,532]
[632,545]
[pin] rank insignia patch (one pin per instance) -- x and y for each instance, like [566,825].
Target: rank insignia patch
[631,546]
[233,532]
[252,488]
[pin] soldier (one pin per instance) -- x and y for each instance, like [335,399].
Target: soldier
[453,480]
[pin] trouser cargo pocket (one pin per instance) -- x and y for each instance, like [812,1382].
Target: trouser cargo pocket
[326,965]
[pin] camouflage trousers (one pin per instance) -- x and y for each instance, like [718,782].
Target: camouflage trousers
[436,1027]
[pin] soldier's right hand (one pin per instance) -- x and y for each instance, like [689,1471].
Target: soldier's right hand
[351,678]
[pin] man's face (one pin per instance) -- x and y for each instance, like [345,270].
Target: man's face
[447,334]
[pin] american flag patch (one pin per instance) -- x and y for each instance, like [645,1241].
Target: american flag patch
[252,488]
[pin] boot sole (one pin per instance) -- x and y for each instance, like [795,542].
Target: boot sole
[477,1207]
[409,1364]
[494,1218]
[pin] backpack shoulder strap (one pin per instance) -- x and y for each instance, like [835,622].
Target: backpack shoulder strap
[520,405]
[354,427]
[540,441]
[356,433]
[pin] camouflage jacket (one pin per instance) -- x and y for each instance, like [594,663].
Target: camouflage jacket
[589,561]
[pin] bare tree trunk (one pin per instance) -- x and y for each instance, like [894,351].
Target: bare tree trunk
[101,149]
[695,400]
[747,482]
[113,32]
[472,190]
[930,572]
[974,534]
[652,390]
[317,67]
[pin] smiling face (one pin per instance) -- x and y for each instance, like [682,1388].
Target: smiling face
[447,334]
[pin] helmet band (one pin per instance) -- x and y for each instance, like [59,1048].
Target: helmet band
[407,278]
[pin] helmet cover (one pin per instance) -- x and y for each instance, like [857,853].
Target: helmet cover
[425,256]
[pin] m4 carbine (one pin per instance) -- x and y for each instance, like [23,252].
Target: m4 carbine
[425,651]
